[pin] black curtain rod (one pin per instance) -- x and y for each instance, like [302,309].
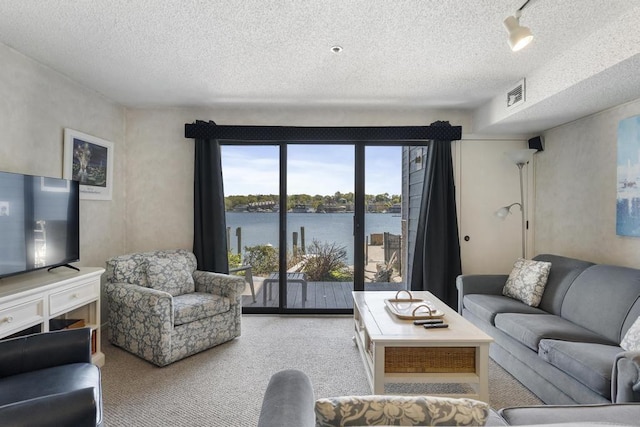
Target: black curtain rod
[442,131]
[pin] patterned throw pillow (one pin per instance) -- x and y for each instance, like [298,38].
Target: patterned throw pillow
[400,411]
[170,274]
[527,281]
[631,340]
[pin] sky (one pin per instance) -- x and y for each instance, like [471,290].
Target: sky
[312,169]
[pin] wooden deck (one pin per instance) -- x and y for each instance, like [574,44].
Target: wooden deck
[320,295]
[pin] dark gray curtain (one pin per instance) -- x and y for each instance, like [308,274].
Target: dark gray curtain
[436,258]
[209,224]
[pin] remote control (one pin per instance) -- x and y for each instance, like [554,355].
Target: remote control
[436,325]
[427,321]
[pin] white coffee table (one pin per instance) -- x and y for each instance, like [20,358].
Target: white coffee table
[394,350]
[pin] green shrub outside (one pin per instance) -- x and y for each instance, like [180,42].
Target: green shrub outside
[235,260]
[263,259]
[325,262]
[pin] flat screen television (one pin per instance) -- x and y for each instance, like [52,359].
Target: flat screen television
[39,222]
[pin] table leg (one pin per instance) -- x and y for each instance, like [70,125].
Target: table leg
[483,372]
[378,369]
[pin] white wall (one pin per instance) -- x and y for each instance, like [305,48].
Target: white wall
[576,191]
[159,178]
[487,180]
[36,104]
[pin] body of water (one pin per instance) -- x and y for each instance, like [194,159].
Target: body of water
[262,228]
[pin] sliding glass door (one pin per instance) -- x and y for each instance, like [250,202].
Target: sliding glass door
[309,223]
[251,176]
[319,222]
[384,260]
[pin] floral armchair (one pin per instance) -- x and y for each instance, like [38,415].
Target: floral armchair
[162,309]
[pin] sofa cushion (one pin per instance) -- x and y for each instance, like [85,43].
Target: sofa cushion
[188,308]
[400,410]
[631,340]
[529,329]
[563,272]
[601,298]
[130,268]
[487,306]
[527,281]
[591,364]
[170,274]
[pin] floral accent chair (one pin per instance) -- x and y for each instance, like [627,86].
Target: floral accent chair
[162,309]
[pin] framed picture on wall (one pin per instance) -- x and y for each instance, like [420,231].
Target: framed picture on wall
[89,160]
[628,173]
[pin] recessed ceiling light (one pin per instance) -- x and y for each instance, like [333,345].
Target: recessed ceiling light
[336,49]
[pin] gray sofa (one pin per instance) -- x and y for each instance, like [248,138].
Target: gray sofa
[566,350]
[289,402]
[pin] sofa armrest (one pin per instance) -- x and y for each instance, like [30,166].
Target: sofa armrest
[288,401]
[625,378]
[154,305]
[491,284]
[572,415]
[75,408]
[220,284]
[44,350]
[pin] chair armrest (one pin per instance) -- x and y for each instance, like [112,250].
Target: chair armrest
[153,304]
[241,268]
[625,378]
[491,284]
[75,408]
[225,285]
[44,350]
[288,401]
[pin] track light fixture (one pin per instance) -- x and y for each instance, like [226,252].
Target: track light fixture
[519,36]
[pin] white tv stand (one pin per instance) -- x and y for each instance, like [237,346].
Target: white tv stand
[33,299]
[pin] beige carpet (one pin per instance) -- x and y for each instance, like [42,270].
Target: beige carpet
[224,386]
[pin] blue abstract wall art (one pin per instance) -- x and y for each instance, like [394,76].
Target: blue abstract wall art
[628,177]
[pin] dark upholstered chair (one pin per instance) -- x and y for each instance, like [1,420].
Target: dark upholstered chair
[48,379]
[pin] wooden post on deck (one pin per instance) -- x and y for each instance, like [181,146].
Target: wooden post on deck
[295,243]
[366,250]
[228,239]
[302,245]
[239,236]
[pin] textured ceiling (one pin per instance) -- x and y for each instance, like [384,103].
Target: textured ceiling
[401,53]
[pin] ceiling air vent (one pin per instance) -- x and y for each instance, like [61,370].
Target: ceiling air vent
[516,95]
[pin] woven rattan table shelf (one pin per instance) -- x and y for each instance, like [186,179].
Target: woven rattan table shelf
[394,350]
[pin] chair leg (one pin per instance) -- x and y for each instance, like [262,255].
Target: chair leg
[248,275]
[265,286]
